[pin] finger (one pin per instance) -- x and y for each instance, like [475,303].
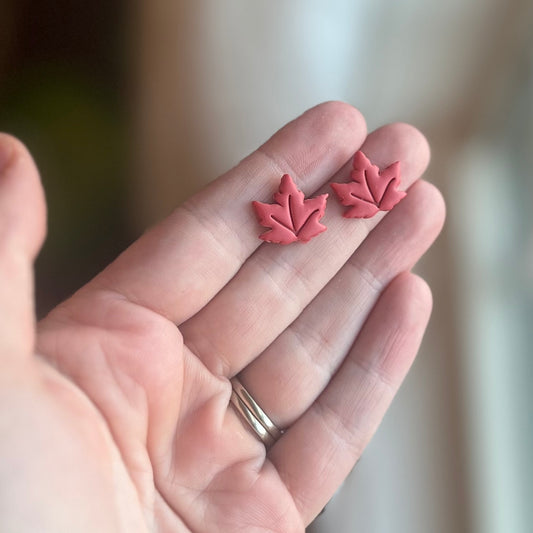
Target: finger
[179,265]
[297,366]
[276,283]
[343,419]
[22,230]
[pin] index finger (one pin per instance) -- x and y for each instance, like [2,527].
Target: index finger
[181,263]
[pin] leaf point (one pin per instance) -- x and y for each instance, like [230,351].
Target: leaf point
[371,189]
[292,217]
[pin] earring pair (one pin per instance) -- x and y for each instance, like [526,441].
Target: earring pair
[294,218]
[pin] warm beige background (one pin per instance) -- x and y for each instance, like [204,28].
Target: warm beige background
[216,78]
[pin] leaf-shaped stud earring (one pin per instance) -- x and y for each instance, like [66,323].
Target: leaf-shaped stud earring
[292,218]
[371,189]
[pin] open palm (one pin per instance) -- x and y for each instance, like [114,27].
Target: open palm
[121,421]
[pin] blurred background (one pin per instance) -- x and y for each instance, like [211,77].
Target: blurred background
[129,107]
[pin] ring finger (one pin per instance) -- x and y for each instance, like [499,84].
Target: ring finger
[292,372]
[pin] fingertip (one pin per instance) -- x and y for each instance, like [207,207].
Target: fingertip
[344,110]
[428,207]
[343,117]
[438,204]
[408,136]
[22,201]
[315,145]
[423,292]
[415,291]
[401,142]
[15,151]
[6,151]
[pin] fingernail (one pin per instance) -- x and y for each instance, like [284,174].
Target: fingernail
[6,151]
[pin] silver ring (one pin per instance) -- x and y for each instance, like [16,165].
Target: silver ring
[256,418]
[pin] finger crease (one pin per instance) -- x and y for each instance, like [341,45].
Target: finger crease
[238,256]
[281,167]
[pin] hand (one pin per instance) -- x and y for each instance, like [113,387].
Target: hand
[114,419]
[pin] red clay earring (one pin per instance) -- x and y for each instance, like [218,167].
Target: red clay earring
[292,218]
[371,189]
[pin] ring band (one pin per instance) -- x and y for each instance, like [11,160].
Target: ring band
[257,419]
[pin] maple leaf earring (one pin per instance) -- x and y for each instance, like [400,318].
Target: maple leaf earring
[371,189]
[292,218]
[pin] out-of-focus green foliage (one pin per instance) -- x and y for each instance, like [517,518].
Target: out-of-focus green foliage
[75,131]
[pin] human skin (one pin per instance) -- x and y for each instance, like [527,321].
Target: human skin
[114,409]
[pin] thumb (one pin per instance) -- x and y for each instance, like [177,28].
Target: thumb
[22,231]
